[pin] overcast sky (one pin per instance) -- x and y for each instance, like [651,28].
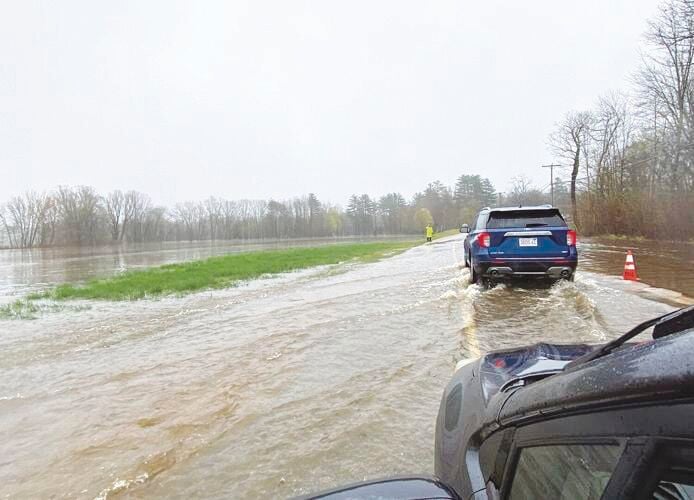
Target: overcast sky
[272,99]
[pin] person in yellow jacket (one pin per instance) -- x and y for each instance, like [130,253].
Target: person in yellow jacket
[430,232]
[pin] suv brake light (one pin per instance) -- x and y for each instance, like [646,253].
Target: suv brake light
[484,239]
[571,238]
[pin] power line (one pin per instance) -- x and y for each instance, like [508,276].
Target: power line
[551,177]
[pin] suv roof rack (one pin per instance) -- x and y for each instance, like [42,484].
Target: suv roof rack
[520,207]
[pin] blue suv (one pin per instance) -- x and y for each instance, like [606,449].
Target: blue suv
[520,242]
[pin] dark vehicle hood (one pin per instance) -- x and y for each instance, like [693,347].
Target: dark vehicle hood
[661,369]
[500,368]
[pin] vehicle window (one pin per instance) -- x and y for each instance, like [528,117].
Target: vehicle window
[525,218]
[480,221]
[564,471]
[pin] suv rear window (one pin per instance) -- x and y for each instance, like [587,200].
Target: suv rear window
[525,218]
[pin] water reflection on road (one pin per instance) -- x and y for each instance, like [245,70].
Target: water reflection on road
[276,388]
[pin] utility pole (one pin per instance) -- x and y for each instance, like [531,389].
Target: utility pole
[551,177]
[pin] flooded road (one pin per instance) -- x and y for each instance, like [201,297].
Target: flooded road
[276,388]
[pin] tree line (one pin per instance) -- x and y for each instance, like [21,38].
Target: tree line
[78,215]
[630,159]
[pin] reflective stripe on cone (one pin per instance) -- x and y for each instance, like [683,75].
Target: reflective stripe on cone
[630,268]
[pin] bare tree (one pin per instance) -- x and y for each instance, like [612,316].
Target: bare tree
[137,204]
[24,217]
[186,214]
[665,84]
[79,209]
[229,219]
[51,219]
[567,142]
[520,188]
[154,224]
[115,207]
[213,211]
[611,135]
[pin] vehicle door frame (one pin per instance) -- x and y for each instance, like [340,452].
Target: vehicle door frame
[651,457]
[643,439]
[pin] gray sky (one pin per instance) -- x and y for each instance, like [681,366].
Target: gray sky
[261,99]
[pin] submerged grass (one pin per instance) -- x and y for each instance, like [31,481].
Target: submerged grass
[28,308]
[19,309]
[218,272]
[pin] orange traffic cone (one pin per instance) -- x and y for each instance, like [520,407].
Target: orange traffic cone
[630,268]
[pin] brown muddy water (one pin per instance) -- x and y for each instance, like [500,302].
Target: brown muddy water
[276,388]
[662,264]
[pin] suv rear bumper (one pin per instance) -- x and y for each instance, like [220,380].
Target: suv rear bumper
[526,269]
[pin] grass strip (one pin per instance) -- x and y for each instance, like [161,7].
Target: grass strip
[26,308]
[219,272]
[443,234]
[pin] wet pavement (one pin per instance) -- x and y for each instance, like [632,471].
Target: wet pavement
[275,388]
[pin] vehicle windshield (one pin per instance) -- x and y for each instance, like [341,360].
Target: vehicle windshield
[525,218]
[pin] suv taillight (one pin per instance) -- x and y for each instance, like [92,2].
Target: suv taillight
[484,239]
[571,238]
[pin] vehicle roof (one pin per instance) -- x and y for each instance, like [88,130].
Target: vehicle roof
[657,370]
[515,209]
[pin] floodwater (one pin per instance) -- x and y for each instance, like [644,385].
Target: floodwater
[276,388]
[24,271]
[663,264]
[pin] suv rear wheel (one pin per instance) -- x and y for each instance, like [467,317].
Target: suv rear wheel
[474,277]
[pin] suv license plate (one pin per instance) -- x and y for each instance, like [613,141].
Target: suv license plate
[527,242]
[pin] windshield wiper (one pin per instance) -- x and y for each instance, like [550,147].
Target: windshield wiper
[535,224]
[664,325]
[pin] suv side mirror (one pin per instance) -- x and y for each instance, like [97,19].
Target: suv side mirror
[464,228]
